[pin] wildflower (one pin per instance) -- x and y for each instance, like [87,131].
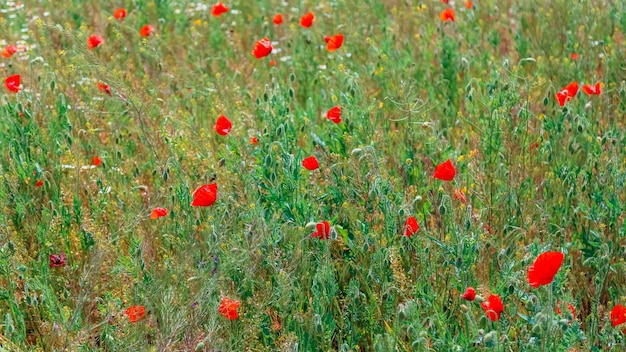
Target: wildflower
[493,307]
[94,41]
[307,20]
[228,308]
[158,213]
[120,14]
[545,267]
[278,19]
[8,51]
[460,195]
[310,163]
[469,294]
[447,15]
[218,9]
[411,226]
[334,114]
[573,56]
[533,146]
[333,43]
[12,83]
[103,87]
[569,307]
[445,171]
[135,313]
[223,125]
[592,90]
[57,260]
[262,48]
[272,63]
[322,230]
[254,140]
[567,93]
[96,161]
[39,183]
[618,315]
[146,31]
[469,5]
[204,195]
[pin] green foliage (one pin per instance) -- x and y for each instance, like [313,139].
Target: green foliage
[532,176]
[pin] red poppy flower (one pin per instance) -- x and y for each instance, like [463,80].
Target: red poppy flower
[103,87]
[57,260]
[411,226]
[135,313]
[205,195]
[445,1]
[146,31]
[322,230]
[567,93]
[618,315]
[96,161]
[544,269]
[493,307]
[278,19]
[120,14]
[468,5]
[262,48]
[334,114]
[158,213]
[445,171]
[460,195]
[218,9]
[9,50]
[272,63]
[574,56]
[592,90]
[254,140]
[569,307]
[310,163]
[13,83]
[94,41]
[223,125]
[533,146]
[39,183]
[333,43]
[307,20]
[469,294]
[228,308]
[447,15]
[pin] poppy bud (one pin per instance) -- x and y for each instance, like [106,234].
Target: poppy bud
[442,209]
[491,335]
[310,226]
[532,302]
[200,346]
[464,308]
[481,332]
[536,330]
[356,151]
[479,298]
[540,318]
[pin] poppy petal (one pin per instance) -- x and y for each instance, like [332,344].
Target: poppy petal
[205,195]
[445,171]
[545,267]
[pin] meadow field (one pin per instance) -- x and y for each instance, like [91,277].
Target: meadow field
[335,175]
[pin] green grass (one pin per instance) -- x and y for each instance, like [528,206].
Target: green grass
[414,92]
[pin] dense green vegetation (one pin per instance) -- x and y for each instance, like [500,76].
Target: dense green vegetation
[103,130]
